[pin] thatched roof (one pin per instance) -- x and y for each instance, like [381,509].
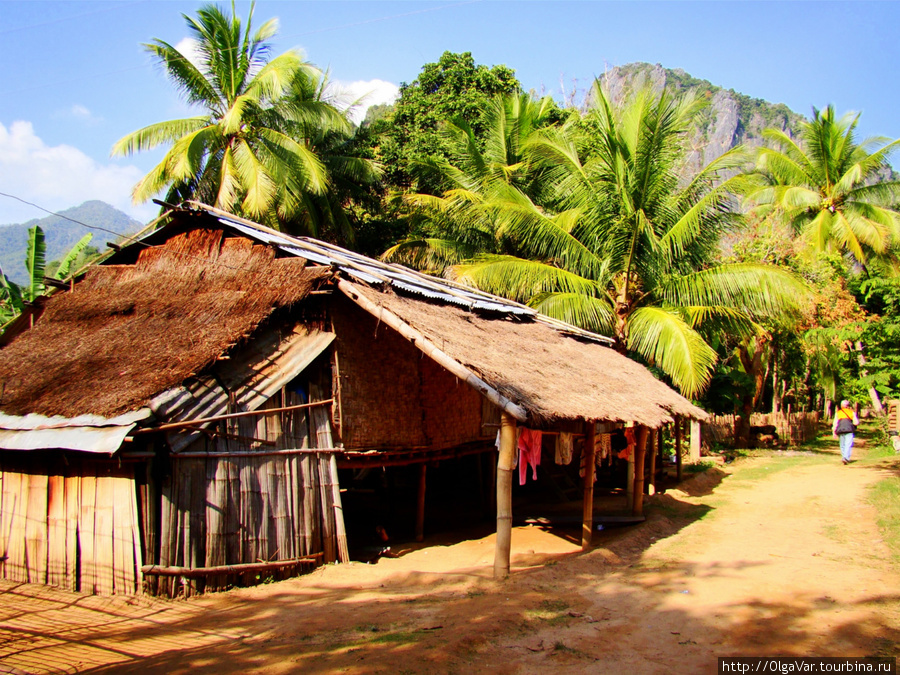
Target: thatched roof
[553,375]
[128,332]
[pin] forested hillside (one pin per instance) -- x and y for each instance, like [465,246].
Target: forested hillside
[61,234]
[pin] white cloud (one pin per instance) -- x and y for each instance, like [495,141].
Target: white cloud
[58,177]
[357,97]
[82,113]
[189,48]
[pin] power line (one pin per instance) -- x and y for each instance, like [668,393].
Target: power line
[115,5]
[124,236]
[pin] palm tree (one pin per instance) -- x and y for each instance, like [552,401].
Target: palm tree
[617,239]
[828,187]
[241,153]
[462,222]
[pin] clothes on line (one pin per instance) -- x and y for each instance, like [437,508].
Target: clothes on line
[529,453]
[564,448]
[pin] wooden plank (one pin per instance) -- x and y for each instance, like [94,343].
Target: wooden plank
[285,541]
[343,552]
[12,517]
[232,511]
[103,535]
[166,537]
[73,505]
[136,542]
[309,531]
[193,572]
[327,510]
[88,582]
[56,530]
[123,535]
[216,517]
[36,529]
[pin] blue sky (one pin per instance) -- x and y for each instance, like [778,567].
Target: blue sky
[74,77]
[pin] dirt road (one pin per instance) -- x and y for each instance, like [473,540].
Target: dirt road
[772,556]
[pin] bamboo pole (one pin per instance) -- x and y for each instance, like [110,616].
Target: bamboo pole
[432,351]
[640,449]
[587,520]
[189,572]
[420,505]
[231,416]
[655,442]
[679,426]
[504,494]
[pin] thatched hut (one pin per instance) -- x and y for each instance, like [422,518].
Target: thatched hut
[181,417]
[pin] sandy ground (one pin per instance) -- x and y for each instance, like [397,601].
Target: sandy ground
[777,556]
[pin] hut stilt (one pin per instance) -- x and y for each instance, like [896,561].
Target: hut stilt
[640,451]
[678,433]
[587,523]
[504,494]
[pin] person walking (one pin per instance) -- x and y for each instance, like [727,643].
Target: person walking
[843,428]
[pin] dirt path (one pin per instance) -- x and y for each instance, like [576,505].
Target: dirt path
[782,557]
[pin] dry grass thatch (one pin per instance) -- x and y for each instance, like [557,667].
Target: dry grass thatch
[127,333]
[553,376]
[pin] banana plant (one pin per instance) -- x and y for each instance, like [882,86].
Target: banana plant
[13,297]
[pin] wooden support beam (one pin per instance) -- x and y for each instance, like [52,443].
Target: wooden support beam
[420,504]
[505,464]
[231,416]
[652,450]
[587,519]
[679,427]
[640,450]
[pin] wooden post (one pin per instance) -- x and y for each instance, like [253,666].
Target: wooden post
[695,441]
[420,504]
[629,481]
[504,494]
[639,454]
[587,522]
[652,448]
[678,433]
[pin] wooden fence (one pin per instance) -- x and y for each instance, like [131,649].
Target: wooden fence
[75,528]
[792,429]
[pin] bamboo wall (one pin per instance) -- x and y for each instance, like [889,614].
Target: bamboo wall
[391,395]
[76,527]
[246,509]
[793,429]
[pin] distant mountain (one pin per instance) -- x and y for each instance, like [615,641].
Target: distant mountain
[62,234]
[730,118]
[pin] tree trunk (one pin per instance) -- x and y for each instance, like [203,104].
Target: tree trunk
[873,393]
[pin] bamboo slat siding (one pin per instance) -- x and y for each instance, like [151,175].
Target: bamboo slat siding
[236,510]
[77,531]
[793,429]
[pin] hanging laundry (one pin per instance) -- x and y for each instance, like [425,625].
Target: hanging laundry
[605,445]
[581,466]
[529,453]
[629,449]
[564,448]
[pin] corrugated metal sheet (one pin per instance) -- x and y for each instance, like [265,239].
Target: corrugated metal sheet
[87,433]
[376,272]
[252,376]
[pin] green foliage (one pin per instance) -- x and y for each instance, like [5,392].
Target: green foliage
[594,223]
[826,186]
[267,144]
[13,298]
[453,89]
